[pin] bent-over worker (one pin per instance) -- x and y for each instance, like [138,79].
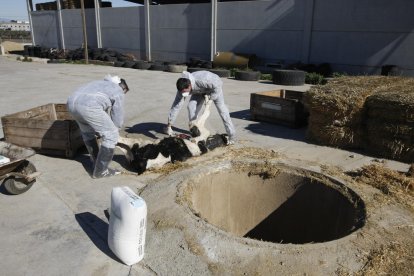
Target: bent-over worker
[199,84]
[98,108]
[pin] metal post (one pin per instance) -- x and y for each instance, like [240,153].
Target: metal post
[98,23]
[213,38]
[62,35]
[307,31]
[85,37]
[147,31]
[29,11]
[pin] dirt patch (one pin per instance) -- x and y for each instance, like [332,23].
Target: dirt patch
[392,259]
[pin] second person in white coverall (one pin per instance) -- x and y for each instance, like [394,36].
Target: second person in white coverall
[197,85]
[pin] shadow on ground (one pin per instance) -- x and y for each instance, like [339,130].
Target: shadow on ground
[272,130]
[150,129]
[82,156]
[97,231]
[3,189]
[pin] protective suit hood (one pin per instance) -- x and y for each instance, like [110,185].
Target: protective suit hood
[187,75]
[114,79]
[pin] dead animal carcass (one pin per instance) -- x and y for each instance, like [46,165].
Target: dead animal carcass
[143,154]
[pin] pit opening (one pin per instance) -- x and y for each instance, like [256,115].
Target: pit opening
[287,208]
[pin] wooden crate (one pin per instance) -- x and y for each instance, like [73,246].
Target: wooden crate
[278,106]
[48,129]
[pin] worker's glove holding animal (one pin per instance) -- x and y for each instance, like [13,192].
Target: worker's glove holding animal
[168,130]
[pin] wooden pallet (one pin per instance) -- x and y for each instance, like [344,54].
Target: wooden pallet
[278,106]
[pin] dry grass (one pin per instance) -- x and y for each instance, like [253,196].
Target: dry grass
[253,153]
[392,183]
[265,170]
[168,168]
[392,259]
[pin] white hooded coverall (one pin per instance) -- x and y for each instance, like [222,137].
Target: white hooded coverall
[98,108]
[203,83]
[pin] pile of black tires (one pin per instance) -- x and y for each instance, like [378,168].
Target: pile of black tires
[290,75]
[102,54]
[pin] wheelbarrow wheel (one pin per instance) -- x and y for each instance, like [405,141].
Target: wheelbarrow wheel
[18,186]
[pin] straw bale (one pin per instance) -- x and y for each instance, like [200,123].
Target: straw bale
[340,96]
[386,130]
[339,110]
[336,110]
[410,172]
[390,148]
[335,136]
[396,105]
[390,124]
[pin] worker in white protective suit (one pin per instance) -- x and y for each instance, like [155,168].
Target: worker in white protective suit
[199,84]
[98,108]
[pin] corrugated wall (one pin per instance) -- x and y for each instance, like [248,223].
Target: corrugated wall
[353,36]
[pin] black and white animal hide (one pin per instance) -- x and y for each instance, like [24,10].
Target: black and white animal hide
[212,142]
[197,127]
[144,155]
[169,149]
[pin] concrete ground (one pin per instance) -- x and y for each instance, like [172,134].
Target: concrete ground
[58,227]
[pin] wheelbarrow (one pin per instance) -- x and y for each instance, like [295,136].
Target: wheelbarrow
[19,174]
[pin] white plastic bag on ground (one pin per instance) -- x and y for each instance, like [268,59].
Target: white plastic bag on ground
[127,225]
[4,160]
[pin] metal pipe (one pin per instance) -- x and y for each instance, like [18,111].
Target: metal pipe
[85,37]
[62,35]
[307,31]
[29,12]
[147,31]
[98,23]
[213,38]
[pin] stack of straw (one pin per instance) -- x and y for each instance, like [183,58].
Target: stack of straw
[390,123]
[375,113]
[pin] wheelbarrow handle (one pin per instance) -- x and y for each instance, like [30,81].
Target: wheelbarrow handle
[28,177]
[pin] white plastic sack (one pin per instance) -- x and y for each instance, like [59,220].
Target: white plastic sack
[127,225]
[4,160]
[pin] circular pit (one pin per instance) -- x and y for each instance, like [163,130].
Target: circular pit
[291,206]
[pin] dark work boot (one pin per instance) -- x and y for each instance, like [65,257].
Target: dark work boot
[93,149]
[101,165]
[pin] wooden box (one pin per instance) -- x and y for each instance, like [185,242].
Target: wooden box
[48,129]
[283,107]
